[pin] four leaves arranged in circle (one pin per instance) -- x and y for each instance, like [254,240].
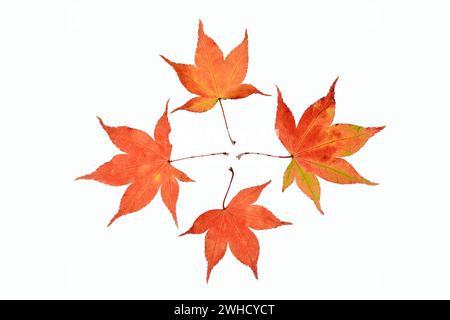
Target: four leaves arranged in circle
[316,148]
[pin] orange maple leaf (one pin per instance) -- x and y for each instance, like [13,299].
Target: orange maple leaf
[317,147]
[145,166]
[231,226]
[214,77]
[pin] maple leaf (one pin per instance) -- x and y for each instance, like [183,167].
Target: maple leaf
[230,226]
[145,166]
[317,147]
[213,77]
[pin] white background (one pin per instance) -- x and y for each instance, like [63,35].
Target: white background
[64,62]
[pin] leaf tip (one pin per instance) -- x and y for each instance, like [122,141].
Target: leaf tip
[319,207]
[101,122]
[208,271]
[111,222]
[279,95]
[177,109]
[378,129]
[167,105]
[255,271]
[200,27]
[117,216]
[89,176]
[166,60]
[367,182]
[333,86]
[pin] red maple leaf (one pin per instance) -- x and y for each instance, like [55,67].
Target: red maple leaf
[230,226]
[214,77]
[145,165]
[317,147]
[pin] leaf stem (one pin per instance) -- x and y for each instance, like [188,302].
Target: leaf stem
[229,186]
[233,142]
[201,156]
[239,156]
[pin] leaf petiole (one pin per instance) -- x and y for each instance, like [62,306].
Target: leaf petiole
[229,186]
[239,156]
[233,142]
[200,156]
